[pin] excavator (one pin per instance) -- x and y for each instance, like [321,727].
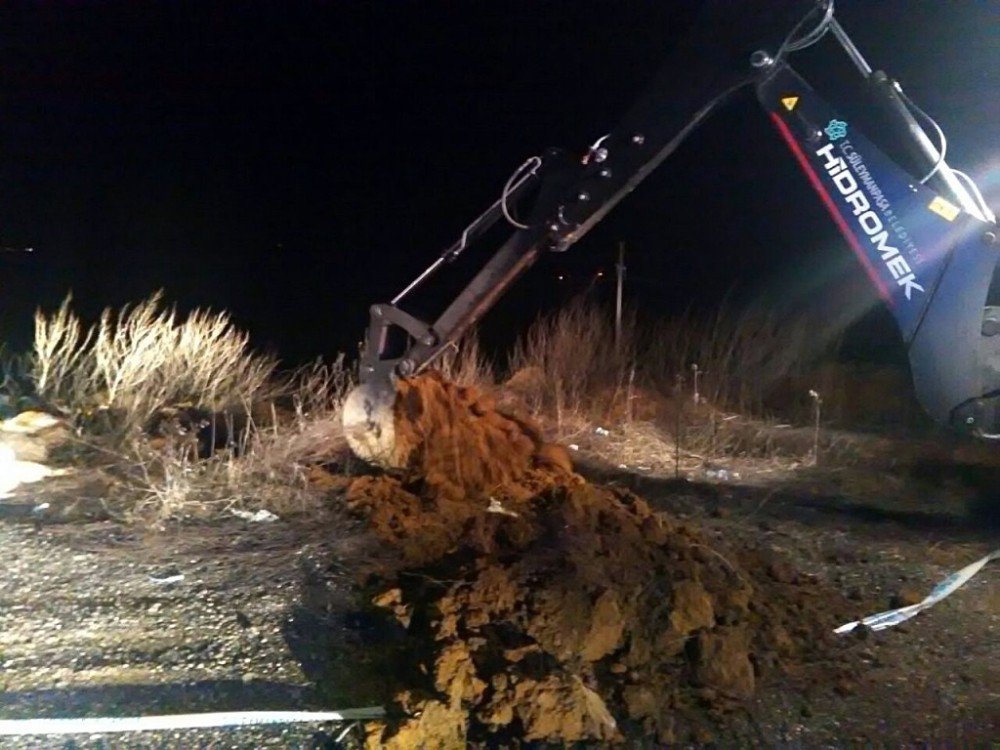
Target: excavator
[920,229]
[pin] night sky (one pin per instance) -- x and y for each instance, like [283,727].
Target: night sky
[294,162]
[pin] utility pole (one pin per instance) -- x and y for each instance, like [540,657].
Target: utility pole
[620,269]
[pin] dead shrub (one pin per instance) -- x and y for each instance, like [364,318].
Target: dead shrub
[229,431]
[693,386]
[265,467]
[139,360]
[570,364]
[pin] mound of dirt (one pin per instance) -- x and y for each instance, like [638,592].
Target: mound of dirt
[540,607]
[456,441]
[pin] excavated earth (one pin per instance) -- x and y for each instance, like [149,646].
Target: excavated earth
[489,595]
[540,607]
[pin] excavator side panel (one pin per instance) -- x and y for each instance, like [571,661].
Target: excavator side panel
[931,262]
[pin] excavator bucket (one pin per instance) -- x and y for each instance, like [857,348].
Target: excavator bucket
[934,265]
[369,422]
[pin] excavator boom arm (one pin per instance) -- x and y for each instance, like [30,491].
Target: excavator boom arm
[928,249]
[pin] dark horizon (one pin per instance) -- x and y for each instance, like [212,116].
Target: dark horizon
[294,163]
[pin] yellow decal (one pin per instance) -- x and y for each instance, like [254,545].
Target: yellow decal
[944,209]
[789,102]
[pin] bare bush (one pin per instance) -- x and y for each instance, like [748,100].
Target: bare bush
[167,480]
[685,389]
[138,360]
[266,466]
[314,431]
[206,392]
[575,352]
[62,357]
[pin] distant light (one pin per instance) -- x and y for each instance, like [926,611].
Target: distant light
[561,277]
[600,274]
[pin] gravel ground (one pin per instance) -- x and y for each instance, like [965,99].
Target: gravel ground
[95,620]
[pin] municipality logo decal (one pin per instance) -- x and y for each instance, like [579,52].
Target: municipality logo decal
[836,129]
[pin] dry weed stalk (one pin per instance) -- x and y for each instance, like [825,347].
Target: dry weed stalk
[817,411]
[62,351]
[630,395]
[315,431]
[679,424]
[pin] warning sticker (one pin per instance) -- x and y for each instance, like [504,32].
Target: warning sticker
[943,208]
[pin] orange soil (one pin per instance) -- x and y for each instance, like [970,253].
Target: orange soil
[540,607]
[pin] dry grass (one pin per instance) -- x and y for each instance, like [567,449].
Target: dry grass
[740,356]
[229,431]
[265,467]
[673,393]
[731,360]
[579,370]
[312,434]
[465,363]
[661,397]
[135,362]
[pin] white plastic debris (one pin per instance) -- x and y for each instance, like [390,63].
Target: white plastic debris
[574,447]
[177,578]
[892,617]
[497,507]
[602,432]
[108,724]
[40,508]
[14,472]
[28,422]
[261,516]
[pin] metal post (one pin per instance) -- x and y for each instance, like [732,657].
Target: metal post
[620,269]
